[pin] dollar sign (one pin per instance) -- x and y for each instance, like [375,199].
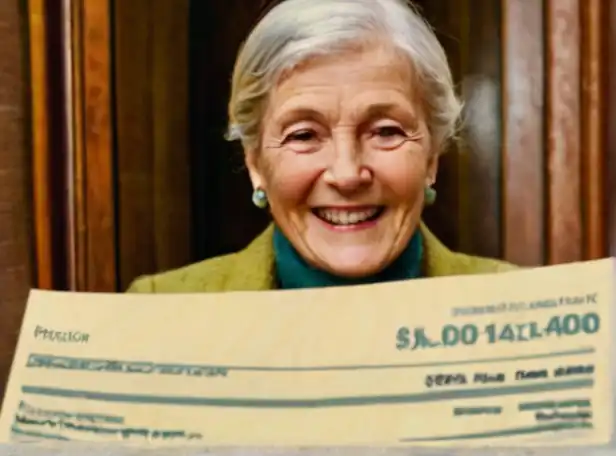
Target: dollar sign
[402,338]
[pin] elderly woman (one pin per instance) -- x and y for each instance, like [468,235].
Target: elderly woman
[343,108]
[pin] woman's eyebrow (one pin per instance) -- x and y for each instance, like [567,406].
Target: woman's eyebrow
[297,114]
[404,113]
[379,109]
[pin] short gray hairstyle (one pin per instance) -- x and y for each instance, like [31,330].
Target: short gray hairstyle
[297,30]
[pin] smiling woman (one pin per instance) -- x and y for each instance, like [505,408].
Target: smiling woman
[343,108]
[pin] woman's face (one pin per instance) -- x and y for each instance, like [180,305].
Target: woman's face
[344,158]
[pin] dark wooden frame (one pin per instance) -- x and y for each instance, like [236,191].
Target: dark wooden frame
[74,207]
[523,129]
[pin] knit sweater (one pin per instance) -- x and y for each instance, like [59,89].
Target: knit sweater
[253,268]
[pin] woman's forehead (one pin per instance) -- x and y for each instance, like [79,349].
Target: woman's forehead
[372,80]
[373,57]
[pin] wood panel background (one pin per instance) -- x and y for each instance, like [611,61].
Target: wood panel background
[610,65]
[153,148]
[467,216]
[523,132]
[224,217]
[563,121]
[73,165]
[93,170]
[556,200]
[596,52]
[16,248]
[49,153]
[153,185]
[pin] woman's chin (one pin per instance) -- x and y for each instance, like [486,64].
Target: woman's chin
[353,264]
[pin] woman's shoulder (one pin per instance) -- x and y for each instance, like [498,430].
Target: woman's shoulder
[469,264]
[441,261]
[454,264]
[249,269]
[204,276]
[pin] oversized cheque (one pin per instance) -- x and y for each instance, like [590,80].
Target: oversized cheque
[522,358]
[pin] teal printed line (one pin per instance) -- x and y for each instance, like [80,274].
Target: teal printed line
[309,403]
[123,432]
[145,367]
[462,411]
[121,367]
[38,435]
[91,417]
[552,416]
[533,406]
[554,427]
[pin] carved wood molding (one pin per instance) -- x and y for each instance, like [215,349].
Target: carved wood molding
[73,146]
[595,51]
[555,196]
[523,131]
[563,123]
[42,204]
[93,166]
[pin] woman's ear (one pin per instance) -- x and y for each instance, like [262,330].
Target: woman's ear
[432,170]
[254,170]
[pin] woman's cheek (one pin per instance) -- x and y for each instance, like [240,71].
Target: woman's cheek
[405,176]
[291,183]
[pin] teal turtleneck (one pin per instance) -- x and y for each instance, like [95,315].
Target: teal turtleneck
[293,272]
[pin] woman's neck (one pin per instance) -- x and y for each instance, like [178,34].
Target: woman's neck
[294,272]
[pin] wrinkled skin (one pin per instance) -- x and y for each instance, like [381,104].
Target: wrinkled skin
[342,137]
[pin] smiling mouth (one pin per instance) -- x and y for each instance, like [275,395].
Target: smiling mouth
[348,217]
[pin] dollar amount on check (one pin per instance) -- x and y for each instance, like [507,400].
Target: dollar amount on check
[452,335]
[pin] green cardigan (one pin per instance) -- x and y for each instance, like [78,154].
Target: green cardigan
[252,269]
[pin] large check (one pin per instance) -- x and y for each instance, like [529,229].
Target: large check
[522,358]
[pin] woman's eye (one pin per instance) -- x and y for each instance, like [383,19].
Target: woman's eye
[301,136]
[390,132]
[302,141]
[388,137]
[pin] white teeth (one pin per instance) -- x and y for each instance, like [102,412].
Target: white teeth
[341,217]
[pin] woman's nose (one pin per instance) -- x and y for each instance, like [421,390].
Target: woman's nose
[347,171]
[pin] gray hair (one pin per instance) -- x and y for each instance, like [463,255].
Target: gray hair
[297,30]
